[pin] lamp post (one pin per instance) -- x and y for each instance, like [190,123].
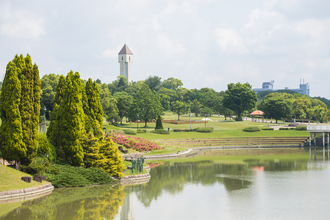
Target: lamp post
[137,122]
[205,119]
[190,120]
[45,118]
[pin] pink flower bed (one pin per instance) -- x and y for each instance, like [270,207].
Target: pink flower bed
[136,143]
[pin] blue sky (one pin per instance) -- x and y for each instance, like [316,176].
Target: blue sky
[204,43]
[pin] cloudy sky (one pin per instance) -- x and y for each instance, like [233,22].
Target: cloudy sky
[204,43]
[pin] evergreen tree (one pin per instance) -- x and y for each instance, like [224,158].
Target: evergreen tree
[11,134]
[159,123]
[111,161]
[71,120]
[36,105]
[53,130]
[91,149]
[95,112]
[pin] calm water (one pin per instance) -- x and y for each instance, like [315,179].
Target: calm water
[196,190]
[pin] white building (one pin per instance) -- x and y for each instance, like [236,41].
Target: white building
[125,58]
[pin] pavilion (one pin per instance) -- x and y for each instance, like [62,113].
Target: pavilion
[257,114]
[319,129]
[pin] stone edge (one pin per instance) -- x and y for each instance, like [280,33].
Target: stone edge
[26,192]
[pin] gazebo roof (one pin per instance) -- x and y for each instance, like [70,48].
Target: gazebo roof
[257,112]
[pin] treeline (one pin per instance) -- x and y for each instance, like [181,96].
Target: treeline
[146,100]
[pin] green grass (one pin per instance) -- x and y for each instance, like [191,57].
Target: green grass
[11,179]
[241,155]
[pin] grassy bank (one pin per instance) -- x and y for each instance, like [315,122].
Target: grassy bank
[11,179]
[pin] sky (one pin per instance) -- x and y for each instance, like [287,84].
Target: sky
[204,43]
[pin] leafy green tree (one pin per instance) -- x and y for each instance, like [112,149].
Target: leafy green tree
[91,147]
[123,103]
[48,87]
[165,101]
[321,114]
[196,107]
[153,82]
[179,108]
[172,94]
[71,120]
[172,83]
[11,134]
[239,98]
[146,104]
[277,106]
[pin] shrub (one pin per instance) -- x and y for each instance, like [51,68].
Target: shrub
[160,131]
[45,148]
[301,128]
[205,130]
[284,129]
[141,131]
[251,129]
[184,130]
[267,128]
[128,131]
[159,124]
[41,166]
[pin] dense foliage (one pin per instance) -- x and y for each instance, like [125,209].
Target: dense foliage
[205,130]
[251,129]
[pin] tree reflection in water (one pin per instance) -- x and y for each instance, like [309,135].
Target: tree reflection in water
[98,202]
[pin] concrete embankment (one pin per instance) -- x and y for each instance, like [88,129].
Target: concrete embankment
[25,194]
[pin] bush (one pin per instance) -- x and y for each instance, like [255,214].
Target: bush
[136,143]
[159,124]
[251,129]
[301,128]
[70,176]
[184,130]
[141,131]
[205,130]
[160,131]
[128,131]
[45,148]
[284,128]
[267,128]
[41,166]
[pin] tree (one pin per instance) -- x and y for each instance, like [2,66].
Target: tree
[321,114]
[111,161]
[123,103]
[196,107]
[153,82]
[179,108]
[172,83]
[239,98]
[159,124]
[276,105]
[48,87]
[95,112]
[91,149]
[146,104]
[71,120]
[11,134]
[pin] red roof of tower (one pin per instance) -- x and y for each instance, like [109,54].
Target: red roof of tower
[125,50]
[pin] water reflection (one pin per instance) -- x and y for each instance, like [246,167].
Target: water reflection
[99,202]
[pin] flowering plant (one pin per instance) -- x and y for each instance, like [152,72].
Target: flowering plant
[135,143]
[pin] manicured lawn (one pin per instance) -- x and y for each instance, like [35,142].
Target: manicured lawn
[11,179]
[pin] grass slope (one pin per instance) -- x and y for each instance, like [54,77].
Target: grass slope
[11,179]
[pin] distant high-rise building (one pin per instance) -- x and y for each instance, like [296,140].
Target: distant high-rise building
[125,58]
[269,86]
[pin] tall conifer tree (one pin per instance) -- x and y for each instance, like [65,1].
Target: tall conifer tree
[71,120]
[11,134]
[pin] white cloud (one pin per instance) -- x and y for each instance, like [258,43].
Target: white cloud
[168,47]
[20,24]
[109,53]
[229,40]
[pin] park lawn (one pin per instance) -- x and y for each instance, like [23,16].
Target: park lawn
[241,156]
[11,179]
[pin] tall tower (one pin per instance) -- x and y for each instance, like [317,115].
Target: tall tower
[125,58]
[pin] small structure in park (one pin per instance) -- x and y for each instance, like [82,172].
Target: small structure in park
[257,114]
[321,130]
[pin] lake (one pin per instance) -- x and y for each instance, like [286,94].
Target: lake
[199,189]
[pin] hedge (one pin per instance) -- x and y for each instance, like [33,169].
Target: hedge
[141,131]
[128,131]
[301,128]
[267,128]
[184,130]
[251,129]
[205,130]
[287,128]
[160,131]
